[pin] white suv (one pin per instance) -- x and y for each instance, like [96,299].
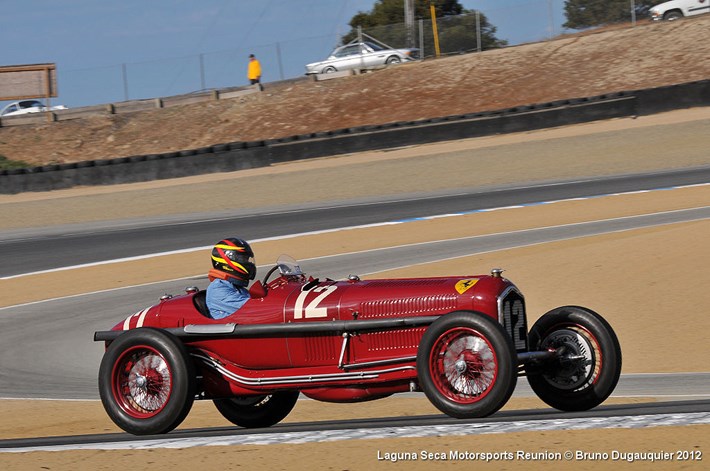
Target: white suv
[679,8]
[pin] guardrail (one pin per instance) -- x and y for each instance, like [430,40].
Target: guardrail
[132,106]
[125,107]
[242,155]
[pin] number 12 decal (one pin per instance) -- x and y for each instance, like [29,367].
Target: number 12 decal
[312,310]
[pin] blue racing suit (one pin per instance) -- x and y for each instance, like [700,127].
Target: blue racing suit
[225,298]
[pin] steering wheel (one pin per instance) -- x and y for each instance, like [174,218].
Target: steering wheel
[268,274]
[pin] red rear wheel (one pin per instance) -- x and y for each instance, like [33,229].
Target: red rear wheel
[141,381]
[147,381]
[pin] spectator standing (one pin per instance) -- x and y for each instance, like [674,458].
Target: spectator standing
[254,72]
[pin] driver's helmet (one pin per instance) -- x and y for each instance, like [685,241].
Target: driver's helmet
[235,258]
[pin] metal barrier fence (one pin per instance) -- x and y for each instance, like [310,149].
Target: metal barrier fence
[526,21]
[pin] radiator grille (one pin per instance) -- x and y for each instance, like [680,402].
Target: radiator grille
[513,318]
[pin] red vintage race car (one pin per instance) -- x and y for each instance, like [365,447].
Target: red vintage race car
[462,340]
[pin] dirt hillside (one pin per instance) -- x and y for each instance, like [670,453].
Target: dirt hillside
[648,55]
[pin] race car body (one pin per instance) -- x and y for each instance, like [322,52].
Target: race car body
[462,340]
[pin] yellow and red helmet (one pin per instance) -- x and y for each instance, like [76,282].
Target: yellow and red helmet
[235,258]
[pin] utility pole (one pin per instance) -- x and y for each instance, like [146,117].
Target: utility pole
[478,31]
[124,74]
[437,51]
[409,21]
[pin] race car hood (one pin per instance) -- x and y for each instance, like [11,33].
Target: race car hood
[373,299]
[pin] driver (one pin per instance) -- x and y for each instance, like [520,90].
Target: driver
[233,267]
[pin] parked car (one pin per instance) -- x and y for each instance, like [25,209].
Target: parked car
[27,106]
[678,9]
[363,55]
[462,340]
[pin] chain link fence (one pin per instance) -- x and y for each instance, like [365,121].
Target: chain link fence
[527,21]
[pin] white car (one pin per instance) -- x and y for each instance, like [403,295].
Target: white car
[27,106]
[678,9]
[363,55]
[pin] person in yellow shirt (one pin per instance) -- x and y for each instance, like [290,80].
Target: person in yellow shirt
[254,72]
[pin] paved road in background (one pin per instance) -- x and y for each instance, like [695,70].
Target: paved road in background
[81,244]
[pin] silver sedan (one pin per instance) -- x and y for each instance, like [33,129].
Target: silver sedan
[27,106]
[365,55]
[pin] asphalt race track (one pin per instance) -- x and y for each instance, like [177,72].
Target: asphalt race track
[32,336]
[67,246]
[49,343]
[64,327]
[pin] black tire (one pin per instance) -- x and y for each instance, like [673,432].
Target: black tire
[673,15]
[329,70]
[583,383]
[393,60]
[257,411]
[147,381]
[467,365]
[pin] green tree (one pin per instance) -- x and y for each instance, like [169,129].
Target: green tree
[586,13]
[456,25]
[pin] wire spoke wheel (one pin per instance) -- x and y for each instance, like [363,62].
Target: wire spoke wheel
[147,381]
[466,364]
[143,382]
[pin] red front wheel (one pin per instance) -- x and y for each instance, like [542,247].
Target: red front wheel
[147,382]
[466,365]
